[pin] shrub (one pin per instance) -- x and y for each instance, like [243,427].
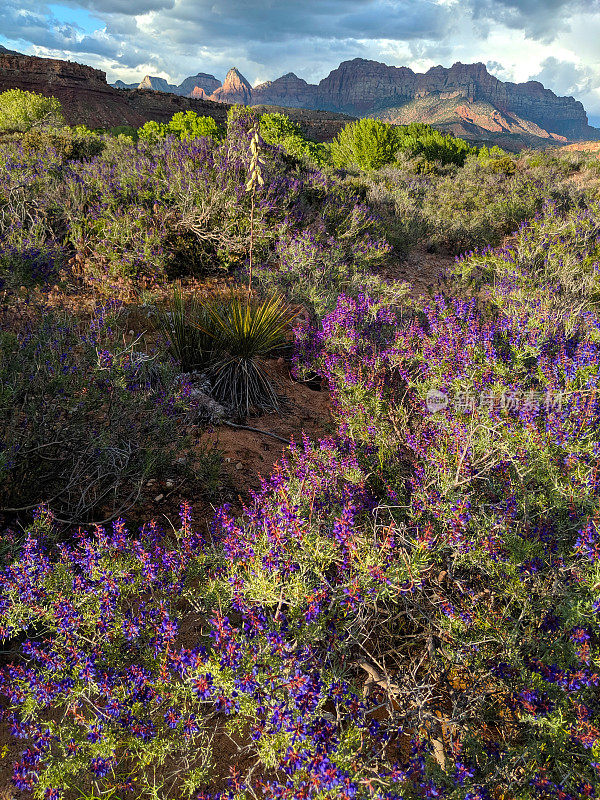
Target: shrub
[83,421]
[153,131]
[68,145]
[30,266]
[189,125]
[278,129]
[432,146]
[365,144]
[21,111]
[245,332]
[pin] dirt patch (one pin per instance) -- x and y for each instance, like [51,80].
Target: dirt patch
[425,272]
[249,455]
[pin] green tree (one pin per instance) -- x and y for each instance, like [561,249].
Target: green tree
[274,128]
[152,131]
[366,144]
[278,129]
[189,125]
[22,111]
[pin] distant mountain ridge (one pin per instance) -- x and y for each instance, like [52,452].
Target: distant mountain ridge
[87,99]
[475,103]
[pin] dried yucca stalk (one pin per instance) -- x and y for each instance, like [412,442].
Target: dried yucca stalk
[255,179]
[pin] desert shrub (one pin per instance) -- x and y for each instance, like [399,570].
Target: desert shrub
[83,420]
[555,257]
[31,266]
[189,125]
[504,164]
[462,208]
[278,129]
[245,332]
[22,111]
[68,145]
[153,131]
[313,269]
[167,209]
[365,144]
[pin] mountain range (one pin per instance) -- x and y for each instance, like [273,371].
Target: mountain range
[464,99]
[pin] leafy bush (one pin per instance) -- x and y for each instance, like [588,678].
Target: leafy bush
[153,131]
[370,144]
[429,144]
[186,125]
[21,111]
[189,125]
[365,144]
[278,129]
[68,145]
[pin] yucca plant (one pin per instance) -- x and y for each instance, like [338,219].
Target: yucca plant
[245,332]
[185,325]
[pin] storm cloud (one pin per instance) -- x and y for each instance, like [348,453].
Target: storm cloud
[175,38]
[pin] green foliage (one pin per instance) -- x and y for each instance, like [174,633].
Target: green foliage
[124,130]
[505,165]
[424,141]
[274,128]
[369,144]
[365,144]
[21,111]
[69,145]
[186,125]
[184,325]
[189,125]
[245,332]
[153,131]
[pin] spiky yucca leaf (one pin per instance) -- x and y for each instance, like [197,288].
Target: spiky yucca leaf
[246,332]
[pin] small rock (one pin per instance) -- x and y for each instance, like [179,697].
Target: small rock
[239,465]
[169,484]
[158,498]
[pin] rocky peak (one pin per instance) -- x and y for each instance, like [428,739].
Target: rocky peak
[235,89]
[198,93]
[288,91]
[123,85]
[208,83]
[156,84]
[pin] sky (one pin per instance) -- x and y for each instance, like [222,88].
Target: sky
[553,41]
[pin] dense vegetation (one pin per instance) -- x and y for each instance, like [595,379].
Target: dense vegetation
[407,608]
